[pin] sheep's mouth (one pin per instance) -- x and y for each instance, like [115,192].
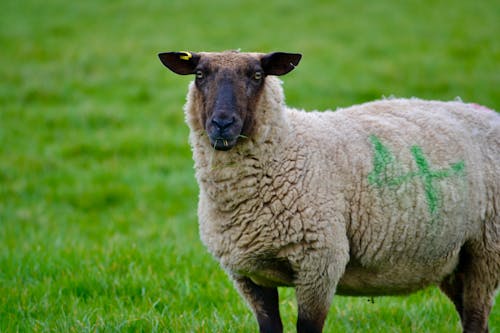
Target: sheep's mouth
[223,144]
[223,138]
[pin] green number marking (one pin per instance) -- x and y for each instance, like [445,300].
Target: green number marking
[384,161]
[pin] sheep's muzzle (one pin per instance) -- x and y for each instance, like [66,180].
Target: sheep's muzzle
[225,122]
[223,132]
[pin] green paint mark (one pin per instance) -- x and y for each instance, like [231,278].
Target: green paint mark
[381,160]
[384,162]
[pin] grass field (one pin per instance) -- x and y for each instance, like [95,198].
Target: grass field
[98,229]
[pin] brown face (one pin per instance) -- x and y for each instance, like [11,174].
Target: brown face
[230,89]
[230,84]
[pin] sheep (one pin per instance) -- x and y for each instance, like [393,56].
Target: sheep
[382,198]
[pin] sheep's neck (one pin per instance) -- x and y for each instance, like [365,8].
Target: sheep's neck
[247,172]
[233,177]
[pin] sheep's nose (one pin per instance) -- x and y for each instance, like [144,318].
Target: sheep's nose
[223,123]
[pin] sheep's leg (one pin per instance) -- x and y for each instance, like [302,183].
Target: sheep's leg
[453,288]
[477,305]
[315,286]
[264,303]
[313,303]
[481,278]
[453,285]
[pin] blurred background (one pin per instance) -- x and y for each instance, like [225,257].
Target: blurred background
[98,228]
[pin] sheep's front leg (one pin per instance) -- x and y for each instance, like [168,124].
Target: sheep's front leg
[264,302]
[315,286]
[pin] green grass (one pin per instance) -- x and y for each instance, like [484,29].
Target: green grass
[98,228]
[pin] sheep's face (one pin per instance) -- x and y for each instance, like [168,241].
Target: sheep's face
[229,85]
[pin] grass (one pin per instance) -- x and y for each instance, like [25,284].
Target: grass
[98,228]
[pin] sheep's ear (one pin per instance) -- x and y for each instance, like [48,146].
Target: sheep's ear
[182,63]
[279,63]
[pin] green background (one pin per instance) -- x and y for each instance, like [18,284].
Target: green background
[98,229]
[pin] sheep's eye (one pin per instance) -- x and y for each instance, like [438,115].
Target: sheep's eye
[199,75]
[257,76]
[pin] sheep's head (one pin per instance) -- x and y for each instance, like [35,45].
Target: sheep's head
[230,85]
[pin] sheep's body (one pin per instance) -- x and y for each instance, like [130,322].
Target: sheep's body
[264,201]
[377,199]
[303,184]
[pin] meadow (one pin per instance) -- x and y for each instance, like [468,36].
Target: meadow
[98,226]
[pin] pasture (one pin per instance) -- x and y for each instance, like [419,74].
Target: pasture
[98,226]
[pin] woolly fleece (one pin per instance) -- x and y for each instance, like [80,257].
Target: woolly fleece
[379,197]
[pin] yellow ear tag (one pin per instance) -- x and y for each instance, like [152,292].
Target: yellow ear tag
[186,55]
